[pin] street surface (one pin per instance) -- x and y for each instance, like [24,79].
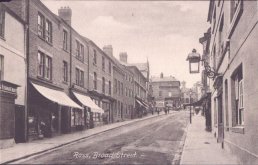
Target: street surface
[156,140]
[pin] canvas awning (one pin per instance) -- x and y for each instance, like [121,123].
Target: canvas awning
[88,102]
[56,96]
[139,102]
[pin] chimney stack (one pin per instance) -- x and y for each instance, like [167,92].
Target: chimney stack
[108,50]
[123,57]
[66,14]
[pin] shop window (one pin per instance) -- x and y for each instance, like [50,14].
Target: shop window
[2,21]
[44,66]
[238,97]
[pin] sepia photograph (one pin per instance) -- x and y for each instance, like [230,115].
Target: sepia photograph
[149,82]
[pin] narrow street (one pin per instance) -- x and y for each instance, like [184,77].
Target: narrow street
[153,141]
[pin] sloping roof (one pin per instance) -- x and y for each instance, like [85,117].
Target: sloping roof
[164,79]
[140,66]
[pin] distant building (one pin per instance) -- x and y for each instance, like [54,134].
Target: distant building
[166,89]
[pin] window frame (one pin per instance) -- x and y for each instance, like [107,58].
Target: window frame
[65,40]
[48,31]
[41,25]
[95,79]
[2,21]
[65,71]
[44,66]
[103,85]
[1,67]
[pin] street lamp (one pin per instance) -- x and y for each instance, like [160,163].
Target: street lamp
[194,59]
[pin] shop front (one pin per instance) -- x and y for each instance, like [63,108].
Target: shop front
[92,112]
[49,112]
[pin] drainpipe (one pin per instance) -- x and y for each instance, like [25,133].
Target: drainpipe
[26,41]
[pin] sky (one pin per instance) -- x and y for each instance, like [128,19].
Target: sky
[164,32]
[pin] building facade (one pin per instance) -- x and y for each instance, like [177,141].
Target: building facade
[12,74]
[234,93]
[166,89]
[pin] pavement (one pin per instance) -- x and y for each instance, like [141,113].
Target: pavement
[24,150]
[201,147]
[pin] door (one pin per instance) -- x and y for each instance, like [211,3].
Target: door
[20,124]
[220,120]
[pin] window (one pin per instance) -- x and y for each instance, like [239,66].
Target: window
[103,63]
[103,85]
[44,66]
[160,93]
[65,71]
[2,21]
[48,29]
[1,67]
[109,67]
[40,64]
[238,98]
[109,87]
[118,87]
[65,39]
[122,89]
[48,69]
[125,91]
[40,25]
[115,86]
[94,57]
[79,50]
[95,80]
[226,103]
[79,77]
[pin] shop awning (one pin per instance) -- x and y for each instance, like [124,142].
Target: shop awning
[86,101]
[56,96]
[139,102]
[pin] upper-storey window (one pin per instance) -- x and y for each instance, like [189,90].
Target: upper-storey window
[109,67]
[65,71]
[79,50]
[48,31]
[103,85]
[103,63]
[44,66]
[2,21]
[65,39]
[94,57]
[79,77]
[95,80]
[45,29]
[40,25]
[1,67]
